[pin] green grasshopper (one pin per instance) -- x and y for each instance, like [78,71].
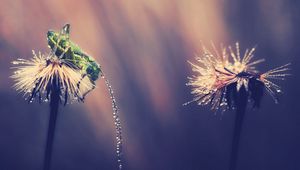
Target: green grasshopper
[61,46]
[67,51]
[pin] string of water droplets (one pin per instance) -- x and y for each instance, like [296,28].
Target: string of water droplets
[117,123]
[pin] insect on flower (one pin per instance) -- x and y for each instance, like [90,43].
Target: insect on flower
[221,75]
[61,46]
[66,73]
[66,67]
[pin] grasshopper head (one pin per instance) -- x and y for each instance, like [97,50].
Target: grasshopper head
[53,36]
[60,41]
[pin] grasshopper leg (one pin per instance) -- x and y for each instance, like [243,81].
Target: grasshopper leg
[81,98]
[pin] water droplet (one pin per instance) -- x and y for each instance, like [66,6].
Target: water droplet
[117,123]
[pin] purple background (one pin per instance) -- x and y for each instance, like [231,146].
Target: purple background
[143,47]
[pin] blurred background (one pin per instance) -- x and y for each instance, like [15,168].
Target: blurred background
[143,46]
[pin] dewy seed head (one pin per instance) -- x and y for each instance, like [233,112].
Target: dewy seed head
[35,77]
[219,76]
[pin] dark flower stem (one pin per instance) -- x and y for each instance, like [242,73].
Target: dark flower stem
[54,103]
[241,103]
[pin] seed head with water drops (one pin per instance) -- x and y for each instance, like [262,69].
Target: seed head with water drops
[220,75]
[67,73]
[35,78]
[66,67]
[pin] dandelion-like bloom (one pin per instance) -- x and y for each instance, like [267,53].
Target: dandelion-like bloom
[37,77]
[67,73]
[221,75]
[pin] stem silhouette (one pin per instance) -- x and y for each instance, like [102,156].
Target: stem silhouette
[241,104]
[54,103]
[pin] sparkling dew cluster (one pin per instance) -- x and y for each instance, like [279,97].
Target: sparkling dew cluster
[220,75]
[37,76]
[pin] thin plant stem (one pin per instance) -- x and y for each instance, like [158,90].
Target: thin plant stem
[117,122]
[241,104]
[54,103]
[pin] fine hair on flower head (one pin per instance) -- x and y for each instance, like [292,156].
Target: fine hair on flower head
[35,77]
[220,75]
[65,74]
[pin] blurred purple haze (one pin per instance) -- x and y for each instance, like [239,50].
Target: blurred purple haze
[143,47]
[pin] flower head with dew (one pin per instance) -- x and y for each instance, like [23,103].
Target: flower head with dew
[36,77]
[67,73]
[220,75]
[66,67]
